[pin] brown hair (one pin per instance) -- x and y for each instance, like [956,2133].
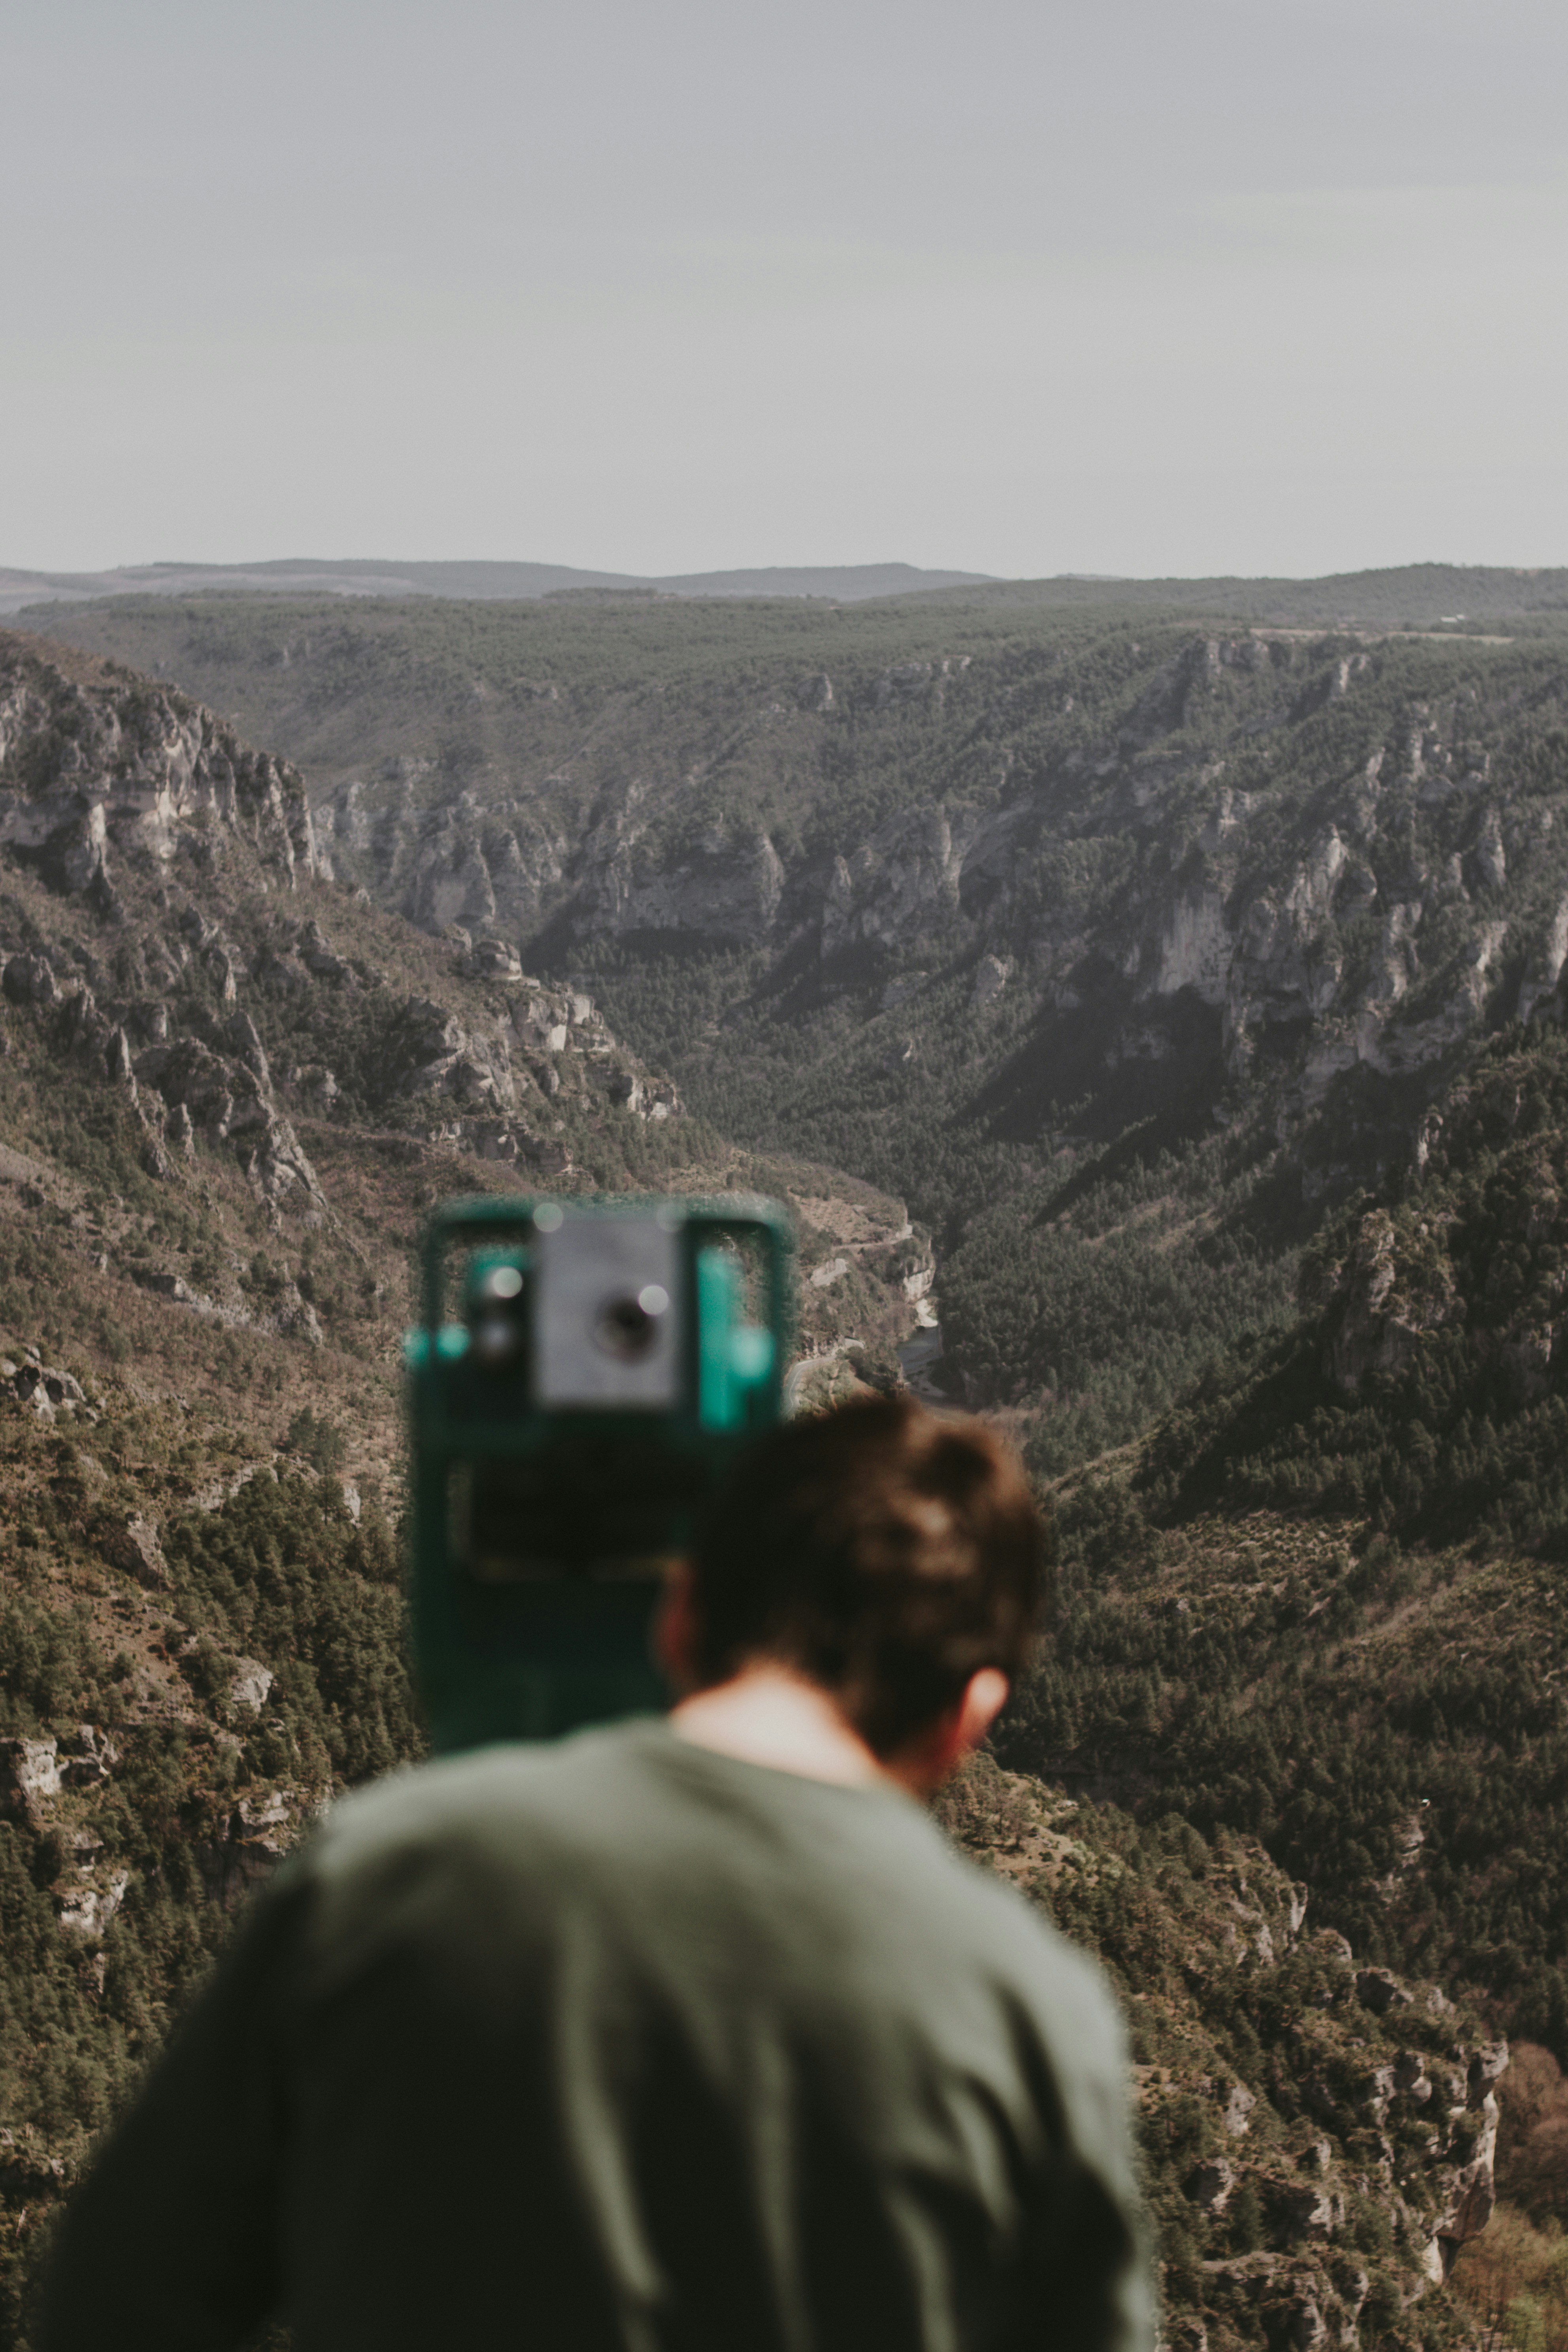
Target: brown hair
[884,1552]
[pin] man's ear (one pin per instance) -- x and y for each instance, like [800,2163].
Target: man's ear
[674,1636]
[985,1695]
[937,1752]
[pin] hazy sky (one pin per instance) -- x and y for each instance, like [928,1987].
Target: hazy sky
[1021,286]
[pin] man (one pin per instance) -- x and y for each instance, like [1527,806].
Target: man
[681,2036]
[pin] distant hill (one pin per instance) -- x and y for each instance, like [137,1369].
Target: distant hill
[485,582]
[1408,597]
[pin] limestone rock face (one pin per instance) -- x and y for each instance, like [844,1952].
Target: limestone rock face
[1194,949]
[511,1067]
[29,1773]
[92,1756]
[1256,833]
[242,1034]
[47,1391]
[295,1317]
[720,887]
[1410,1273]
[1209,2185]
[134,1544]
[450,863]
[30,979]
[1308,2214]
[1384,1303]
[180,1023]
[250,1685]
[91,775]
[225,1096]
[1134,889]
[1471,2191]
[259,1833]
[1273,963]
[900,886]
[1380,1991]
[87,1911]
[1235,2114]
[992,974]
[494,959]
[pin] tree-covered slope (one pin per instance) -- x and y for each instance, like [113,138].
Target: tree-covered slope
[1323,1602]
[1122,999]
[1424,1386]
[229,1090]
[1317,2136]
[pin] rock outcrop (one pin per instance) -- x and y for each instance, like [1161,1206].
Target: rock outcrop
[251,1839]
[29,1774]
[47,1392]
[204,972]
[95,770]
[1371,2096]
[134,1544]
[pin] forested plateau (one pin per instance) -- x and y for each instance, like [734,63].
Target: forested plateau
[1180,986]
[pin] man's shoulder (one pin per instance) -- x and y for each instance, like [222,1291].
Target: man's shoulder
[519,1787]
[623,1815]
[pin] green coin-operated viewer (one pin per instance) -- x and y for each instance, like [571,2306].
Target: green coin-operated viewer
[583,1375]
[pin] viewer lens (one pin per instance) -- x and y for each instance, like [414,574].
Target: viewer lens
[628,1324]
[497,1341]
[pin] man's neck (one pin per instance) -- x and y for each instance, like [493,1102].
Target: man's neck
[766,1715]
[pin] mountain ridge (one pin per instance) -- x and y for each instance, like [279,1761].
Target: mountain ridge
[1423,595]
[487,581]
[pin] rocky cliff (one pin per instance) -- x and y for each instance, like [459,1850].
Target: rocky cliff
[97,766]
[1312,841]
[990,905]
[168,951]
[1299,826]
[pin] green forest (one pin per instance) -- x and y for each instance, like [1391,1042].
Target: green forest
[282,1572]
[1184,976]
[1324,1602]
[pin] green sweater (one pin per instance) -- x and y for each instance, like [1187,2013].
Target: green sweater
[620,2044]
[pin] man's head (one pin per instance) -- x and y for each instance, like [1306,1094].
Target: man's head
[883,1554]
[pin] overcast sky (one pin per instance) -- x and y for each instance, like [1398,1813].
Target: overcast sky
[1019,286]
